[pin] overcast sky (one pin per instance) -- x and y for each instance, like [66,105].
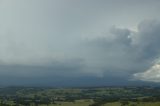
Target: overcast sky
[79,42]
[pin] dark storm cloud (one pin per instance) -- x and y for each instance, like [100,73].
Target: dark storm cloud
[126,51]
[147,39]
[59,40]
[118,54]
[52,69]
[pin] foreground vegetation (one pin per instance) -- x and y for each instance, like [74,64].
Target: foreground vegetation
[94,96]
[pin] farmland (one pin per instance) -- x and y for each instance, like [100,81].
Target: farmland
[91,96]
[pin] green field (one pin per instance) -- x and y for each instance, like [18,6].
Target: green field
[107,104]
[93,96]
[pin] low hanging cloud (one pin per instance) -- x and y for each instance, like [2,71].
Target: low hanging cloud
[126,52]
[53,40]
[121,53]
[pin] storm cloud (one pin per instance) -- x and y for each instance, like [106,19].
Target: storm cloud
[53,42]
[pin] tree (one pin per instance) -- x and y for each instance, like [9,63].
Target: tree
[124,103]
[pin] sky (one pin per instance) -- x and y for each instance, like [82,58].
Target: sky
[79,42]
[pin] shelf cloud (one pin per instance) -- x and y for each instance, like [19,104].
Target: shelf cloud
[53,42]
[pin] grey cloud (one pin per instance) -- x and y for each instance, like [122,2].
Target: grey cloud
[126,50]
[54,68]
[147,39]
[120,53]
[64,39]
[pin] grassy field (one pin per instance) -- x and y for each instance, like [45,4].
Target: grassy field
[135,104]
[69,104]
[107,104]
[101,96]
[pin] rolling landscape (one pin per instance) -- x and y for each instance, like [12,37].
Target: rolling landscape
[91,96]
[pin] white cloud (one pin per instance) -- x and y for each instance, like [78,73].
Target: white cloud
[152,74]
